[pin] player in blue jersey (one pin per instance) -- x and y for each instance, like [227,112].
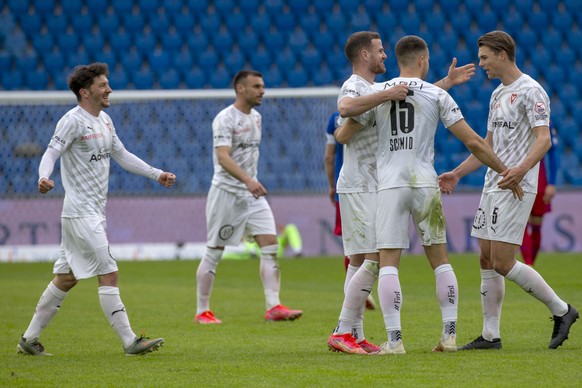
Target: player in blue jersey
[532,237]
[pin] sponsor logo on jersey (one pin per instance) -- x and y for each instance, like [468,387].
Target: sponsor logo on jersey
[351,92]
[91,136]
[59,140]
[503,124]
[540,109]
[244,146]
[102,155]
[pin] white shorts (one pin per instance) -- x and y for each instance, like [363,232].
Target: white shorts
[230,217]
[84,248]
[395,206]
[358,214]
[501,217]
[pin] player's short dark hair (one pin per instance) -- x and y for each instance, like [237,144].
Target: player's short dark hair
[498,41]
[244,74]
[358,41]
[82,77]
[408,48]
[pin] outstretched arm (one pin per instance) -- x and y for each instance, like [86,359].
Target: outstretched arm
[355,106]
[456,75]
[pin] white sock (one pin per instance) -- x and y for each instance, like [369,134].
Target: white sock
[533,283]
[115,312]
[205,278]
[47,307]
[270,275]
[352,313]
[447,291]
[350,272]
[390,296]
[492,293]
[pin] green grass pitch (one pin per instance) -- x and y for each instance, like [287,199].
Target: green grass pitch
[245,351]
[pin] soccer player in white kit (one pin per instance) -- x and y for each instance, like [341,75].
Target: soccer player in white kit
[85,140]
[357,183]
[518,130]
[236,204]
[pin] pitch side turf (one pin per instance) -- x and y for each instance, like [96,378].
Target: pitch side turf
[245,351]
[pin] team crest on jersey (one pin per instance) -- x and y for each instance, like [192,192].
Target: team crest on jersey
[225,232]
[479,220]
[108,125]
[512,98]
[540,108]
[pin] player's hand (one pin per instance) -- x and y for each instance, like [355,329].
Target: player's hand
[549,193]
[256,188]
[45,185]
[511,177]
[167,179]
[517,192]
[447,182]
[331,193]
[459,75]
[397,92]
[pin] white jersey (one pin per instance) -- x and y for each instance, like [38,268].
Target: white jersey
[85,143]
[358,173]
[513,111]
[406,131]
[241,132]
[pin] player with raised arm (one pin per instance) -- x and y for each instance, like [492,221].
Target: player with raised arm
[236,204]
[85,140]
[518,131]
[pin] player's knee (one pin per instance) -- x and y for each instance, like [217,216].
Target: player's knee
[212,256]
[269,252]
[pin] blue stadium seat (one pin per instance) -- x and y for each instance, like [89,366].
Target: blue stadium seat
[93,42]
[220,78]
[274,7]
[274,40]
[323,7]
[297,77]
[108,23]
[310,21]
[171,40]
[210,22]
[42,42]
[106,55]
[197,7]
[57,23]
[435,20]
[170,79]
[132,60]
[285,60]
[462,22]
[197,41]
[12,80]
[234,59]
[273,76]
[538,19]
[208,59]
[261,59]
[118,78]
[143,79]
[5,59]
[449,6]
[448,39]
[524,6]
[475,7]
[148,7]
[236,21]
[77,57]
[548,6]
[410,22]
[182,61]
[27,62]
[360,20]
[36,79]
[122,7]
[565,56]
[260,22]
[567,132]
[552,38]
[72,7]
[159,22]
[487,20]
[18,7]
[251,7]
[82,23]
[298,40]
[335,20]
[30,23]
[323,76]
[120,41]
[146,41]
[248,40]
[54,61]
[222,40]
[310,58]
[183,20]
[159,60]
[133,22]
[285,21]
